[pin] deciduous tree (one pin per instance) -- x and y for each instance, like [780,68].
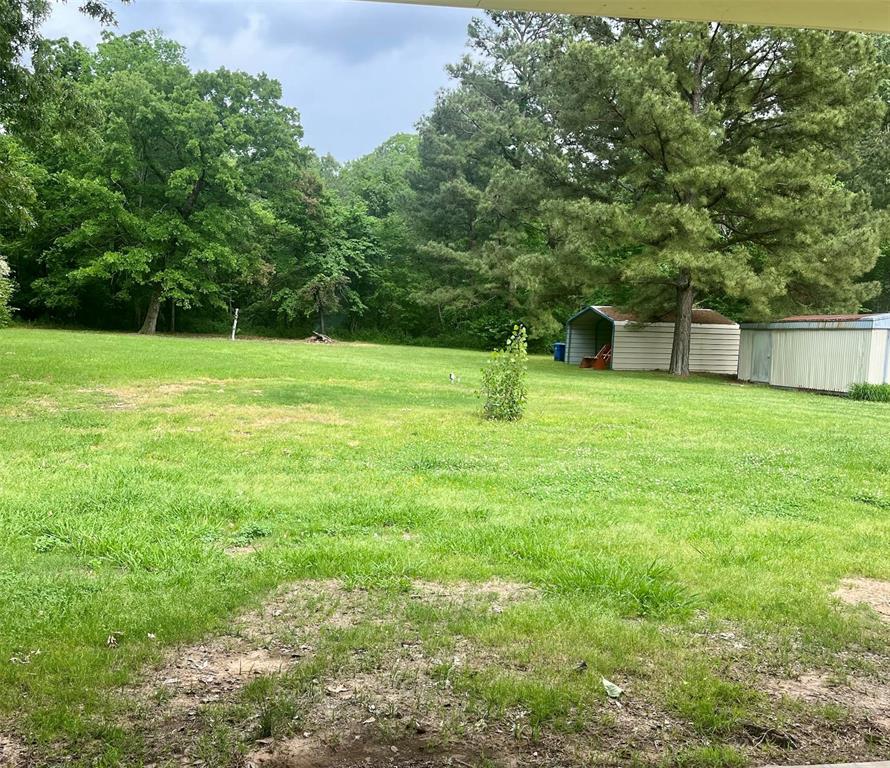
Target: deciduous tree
[5,292]
[163,203]
[489,158]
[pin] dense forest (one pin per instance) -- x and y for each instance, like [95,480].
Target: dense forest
[655,165]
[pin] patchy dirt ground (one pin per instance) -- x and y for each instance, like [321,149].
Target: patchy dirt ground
[352,684]
[868,697]
[375,706]
[207,673]
[870,592]
[389,703]
[323,675]
[840,713]
[13,753]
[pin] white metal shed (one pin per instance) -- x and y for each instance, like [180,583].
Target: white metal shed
[635,346]
[825,353]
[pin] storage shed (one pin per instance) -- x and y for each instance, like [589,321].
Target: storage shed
[825,353]
[634,346]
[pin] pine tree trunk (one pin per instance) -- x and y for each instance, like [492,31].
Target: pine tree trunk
[150,324]
[685,290]
[682,327]
[321,320]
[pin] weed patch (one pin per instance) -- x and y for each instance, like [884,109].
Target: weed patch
[714,707]
[650,591]
[722,756]
[876,393]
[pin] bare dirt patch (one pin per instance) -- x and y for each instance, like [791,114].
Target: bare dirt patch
[825,715]
[12,753]
[356,752]
[383,703]
[211,672]
[387,710]
[870,592]
[496,590]
[148,393]
[860,696]
[266,641]
[363,686]
[392,705]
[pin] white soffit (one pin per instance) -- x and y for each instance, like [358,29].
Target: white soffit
[853,15]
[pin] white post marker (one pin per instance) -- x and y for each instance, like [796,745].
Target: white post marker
[235,324]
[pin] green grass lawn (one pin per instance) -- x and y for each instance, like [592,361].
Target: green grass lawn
[655,517]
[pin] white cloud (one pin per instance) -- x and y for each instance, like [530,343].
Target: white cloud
[67,21]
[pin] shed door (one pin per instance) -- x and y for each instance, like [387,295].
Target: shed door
[761,356]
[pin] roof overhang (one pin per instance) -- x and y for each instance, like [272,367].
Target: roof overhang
[876,322]
[587,310]
[600,312]
[852,15]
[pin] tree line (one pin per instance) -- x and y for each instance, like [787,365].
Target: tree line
[654,165]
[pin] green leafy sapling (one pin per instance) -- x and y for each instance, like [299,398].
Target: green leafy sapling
[504,379]
[5,293]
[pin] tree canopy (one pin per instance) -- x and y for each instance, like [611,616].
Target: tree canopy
[653,165]
[664,161]
[718,150]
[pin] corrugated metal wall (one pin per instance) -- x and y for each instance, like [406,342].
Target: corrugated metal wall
[746,350]
[579,343]
[755,352]
[879,364]
[830,360]
[714,348]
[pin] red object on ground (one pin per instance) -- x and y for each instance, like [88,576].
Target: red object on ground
[601,362]
[603,358]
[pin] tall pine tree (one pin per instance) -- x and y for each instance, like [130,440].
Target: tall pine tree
[716,153]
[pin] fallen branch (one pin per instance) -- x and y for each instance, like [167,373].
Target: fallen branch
[319,338]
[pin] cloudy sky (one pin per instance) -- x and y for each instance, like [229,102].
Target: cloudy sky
[357,71]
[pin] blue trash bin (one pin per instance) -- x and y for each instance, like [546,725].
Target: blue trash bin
[559,351]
